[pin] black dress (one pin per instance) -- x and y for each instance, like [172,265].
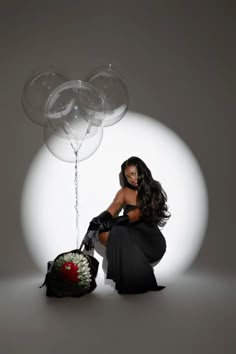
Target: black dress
[131,250]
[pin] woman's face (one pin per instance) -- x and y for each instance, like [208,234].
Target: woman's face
[131,174]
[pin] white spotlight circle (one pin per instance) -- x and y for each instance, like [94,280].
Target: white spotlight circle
[48,196]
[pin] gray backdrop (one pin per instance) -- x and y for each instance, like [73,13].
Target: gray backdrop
[178,60]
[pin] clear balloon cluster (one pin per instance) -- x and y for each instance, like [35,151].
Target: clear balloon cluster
[73,113]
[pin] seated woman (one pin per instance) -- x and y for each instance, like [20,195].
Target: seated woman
[133,241]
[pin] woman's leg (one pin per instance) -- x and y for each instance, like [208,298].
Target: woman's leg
[103,237]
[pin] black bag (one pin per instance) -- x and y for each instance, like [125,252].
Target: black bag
[71,274]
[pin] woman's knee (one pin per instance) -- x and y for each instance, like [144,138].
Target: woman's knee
[103,237]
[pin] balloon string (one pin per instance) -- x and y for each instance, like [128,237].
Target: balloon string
[76,198]
[76,181]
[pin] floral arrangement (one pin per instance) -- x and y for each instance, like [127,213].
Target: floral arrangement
[71,274]
[74,268]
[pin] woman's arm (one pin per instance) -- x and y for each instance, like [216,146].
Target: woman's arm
[117,203]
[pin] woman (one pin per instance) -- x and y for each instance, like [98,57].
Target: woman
[134,241]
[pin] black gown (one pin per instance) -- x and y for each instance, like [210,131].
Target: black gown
[131,250]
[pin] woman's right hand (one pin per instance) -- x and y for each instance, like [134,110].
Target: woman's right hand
[102,222]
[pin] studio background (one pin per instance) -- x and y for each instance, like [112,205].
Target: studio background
[178,62]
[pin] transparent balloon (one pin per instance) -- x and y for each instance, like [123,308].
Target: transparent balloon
[113,92]
[69,112]
[36,92]
[59,144]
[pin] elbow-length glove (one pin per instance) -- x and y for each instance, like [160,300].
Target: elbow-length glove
[105,221]
[101,223]
[98,224]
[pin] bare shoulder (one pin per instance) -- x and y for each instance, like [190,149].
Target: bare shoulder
[120,196]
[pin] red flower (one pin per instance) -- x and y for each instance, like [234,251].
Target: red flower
[69,271]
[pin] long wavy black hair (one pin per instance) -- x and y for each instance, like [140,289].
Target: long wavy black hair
[151,198]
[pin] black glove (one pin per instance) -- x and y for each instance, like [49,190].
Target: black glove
[98,224]
[105,221]
[102,222]
[90,238]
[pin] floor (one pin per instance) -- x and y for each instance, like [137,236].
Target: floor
[194,314]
